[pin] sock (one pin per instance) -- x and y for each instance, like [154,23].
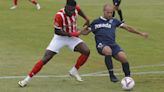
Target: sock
[27,79]
[38,66]
[34,2]
[15,2]
[120,14]
[113,14]
[109,64]
[126,70]
[81,60]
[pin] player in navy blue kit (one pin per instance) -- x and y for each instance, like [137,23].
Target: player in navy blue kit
[116,4]
[104,29]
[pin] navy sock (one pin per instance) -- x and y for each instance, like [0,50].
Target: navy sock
[120,14]
[109,64]
[113,14]
[126,69]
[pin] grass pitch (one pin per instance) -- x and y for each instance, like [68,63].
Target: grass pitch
[26,32]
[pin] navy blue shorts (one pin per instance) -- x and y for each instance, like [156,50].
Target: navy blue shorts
[115,48]
[116,2]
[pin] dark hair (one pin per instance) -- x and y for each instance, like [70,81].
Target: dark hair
[71,2]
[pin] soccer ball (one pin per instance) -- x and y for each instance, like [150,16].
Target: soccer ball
[127,83]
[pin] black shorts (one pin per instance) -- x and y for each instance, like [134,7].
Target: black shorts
[116,2]
[115,48]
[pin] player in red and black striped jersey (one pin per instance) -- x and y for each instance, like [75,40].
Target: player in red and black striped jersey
[66,34]
[32,1]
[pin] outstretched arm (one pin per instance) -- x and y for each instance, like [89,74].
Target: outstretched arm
[132,30]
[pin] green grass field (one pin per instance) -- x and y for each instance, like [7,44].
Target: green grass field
[26,32]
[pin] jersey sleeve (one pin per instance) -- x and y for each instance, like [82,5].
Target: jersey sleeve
[58,22]
[118,23]
[92,26]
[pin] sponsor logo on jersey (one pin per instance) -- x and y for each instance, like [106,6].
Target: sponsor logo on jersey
[102,25]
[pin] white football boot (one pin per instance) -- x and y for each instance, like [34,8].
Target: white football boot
[13,7]
[38,6]
[24,82]
[74,73]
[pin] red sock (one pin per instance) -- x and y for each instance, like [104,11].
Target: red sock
[15,2]
[38,66]
[81,60]
[34,2]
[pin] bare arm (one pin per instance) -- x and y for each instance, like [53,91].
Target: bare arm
[132,30]
[82,14]
[60,32]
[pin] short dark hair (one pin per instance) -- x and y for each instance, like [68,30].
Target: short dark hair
[71,2]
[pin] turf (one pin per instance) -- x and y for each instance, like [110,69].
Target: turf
[26,32]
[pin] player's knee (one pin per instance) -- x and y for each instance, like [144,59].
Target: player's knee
[47,57]
[86,51]
[44,61]
[125,61]
[123,58]
[107,51]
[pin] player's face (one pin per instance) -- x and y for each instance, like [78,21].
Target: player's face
[108,12]
[69,10]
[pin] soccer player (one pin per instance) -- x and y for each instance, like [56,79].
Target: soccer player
[32,1]
[116,4]
[104,29]
[66,34]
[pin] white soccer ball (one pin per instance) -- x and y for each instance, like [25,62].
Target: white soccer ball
[127,83]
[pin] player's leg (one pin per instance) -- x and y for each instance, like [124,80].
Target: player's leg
[77,45]
[55,45]
[120,14]
[119,11]
[46,58]
[116,4]
[37,67]
[114,8]
[107,52]
[121,56]
[36,4]
[15,4]
[85,52]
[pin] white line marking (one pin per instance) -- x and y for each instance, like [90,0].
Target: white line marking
[137,73]
[96,74]
[135,67]
[86,75]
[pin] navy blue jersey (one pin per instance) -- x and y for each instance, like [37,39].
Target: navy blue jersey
[104,30]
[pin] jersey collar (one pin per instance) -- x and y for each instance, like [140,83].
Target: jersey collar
[101,17]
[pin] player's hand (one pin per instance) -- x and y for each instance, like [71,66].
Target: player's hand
[85,31]
[74,34]
[87,22]
[145,35]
